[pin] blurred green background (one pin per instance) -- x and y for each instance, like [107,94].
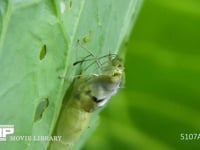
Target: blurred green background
[161,97]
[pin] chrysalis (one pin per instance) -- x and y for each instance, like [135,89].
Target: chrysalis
[89,93]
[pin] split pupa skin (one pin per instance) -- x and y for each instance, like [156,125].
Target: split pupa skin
[88,95]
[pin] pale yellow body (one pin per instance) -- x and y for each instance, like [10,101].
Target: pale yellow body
[89,94]
[71,123]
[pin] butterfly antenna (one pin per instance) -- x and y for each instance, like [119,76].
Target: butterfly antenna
[91,54]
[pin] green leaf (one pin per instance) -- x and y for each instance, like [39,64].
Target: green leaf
[38,45]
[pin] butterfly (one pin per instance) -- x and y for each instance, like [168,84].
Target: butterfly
[89,93]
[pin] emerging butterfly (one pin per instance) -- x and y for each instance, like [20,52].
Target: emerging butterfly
[89,93]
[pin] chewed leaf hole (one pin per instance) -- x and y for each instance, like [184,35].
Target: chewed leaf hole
[42,106]
[43,52]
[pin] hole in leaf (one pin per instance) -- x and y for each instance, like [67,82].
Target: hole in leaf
[43,52]
[42,106]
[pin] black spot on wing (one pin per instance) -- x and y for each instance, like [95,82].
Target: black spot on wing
[97,100]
